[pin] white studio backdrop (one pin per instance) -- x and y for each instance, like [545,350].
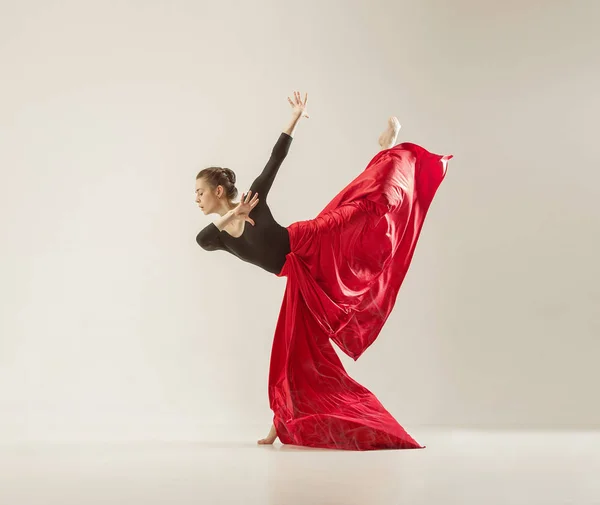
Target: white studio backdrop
[115,325]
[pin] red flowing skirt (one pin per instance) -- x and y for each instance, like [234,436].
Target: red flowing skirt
[343,273]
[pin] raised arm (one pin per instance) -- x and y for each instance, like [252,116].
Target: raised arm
[262,184]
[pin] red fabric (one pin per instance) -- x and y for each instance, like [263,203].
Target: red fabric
[343,275]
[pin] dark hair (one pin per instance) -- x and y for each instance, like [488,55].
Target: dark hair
[217,176]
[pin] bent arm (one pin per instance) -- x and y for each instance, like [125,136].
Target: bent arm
[209,238]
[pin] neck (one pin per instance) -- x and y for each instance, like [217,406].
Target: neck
[225,207]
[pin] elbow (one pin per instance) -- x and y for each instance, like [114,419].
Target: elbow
[207,245]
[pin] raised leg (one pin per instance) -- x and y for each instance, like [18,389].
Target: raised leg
[389,136]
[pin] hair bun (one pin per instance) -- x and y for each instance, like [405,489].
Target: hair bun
[230,174]
[219,176]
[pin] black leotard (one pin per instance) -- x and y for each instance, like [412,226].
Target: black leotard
[267,242]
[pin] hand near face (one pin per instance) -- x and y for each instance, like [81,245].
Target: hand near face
[247,203]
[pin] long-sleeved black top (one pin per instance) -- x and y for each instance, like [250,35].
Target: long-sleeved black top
[267,243]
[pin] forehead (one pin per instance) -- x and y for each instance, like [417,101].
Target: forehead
[201,184]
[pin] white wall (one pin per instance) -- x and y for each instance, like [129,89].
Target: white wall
[114,324]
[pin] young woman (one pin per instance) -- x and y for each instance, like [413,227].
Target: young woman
[344,269]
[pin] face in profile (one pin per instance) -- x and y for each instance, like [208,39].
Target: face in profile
[206,197]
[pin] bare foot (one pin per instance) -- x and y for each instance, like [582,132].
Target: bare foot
[388,138]
[271,437]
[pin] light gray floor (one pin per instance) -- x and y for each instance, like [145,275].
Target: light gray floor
[457,467]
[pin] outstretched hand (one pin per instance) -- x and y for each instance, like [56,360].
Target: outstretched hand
[299,106]
[245,207]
